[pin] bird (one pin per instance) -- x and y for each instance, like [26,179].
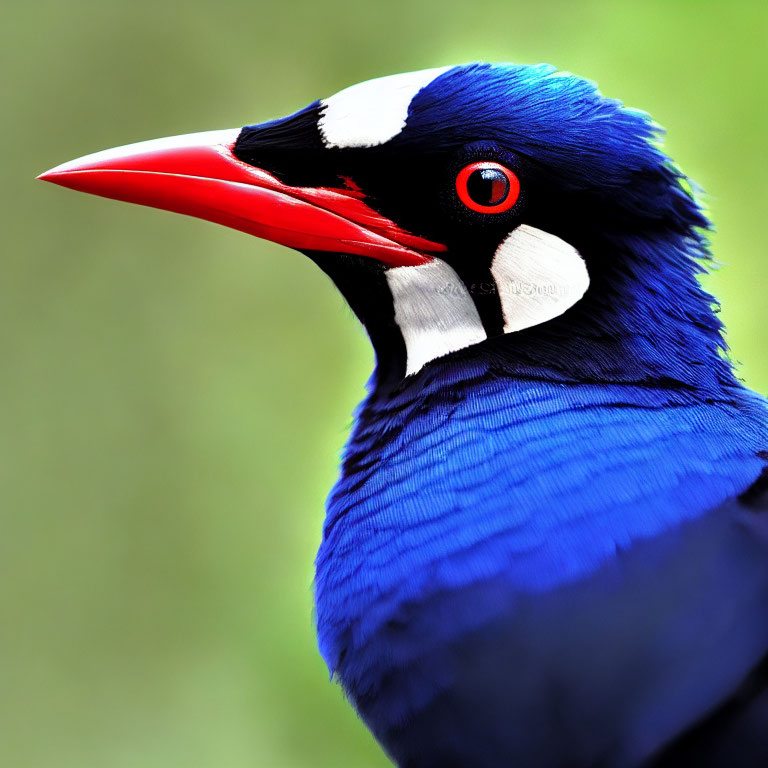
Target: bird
[547,546]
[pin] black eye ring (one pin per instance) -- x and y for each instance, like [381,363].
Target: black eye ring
[487,187]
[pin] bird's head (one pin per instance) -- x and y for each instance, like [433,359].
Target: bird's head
[498,210]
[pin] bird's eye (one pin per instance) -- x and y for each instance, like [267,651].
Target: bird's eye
[487,187]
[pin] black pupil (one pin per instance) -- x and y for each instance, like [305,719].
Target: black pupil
[488,186]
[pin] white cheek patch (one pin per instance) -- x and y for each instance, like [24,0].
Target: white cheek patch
[434,312]
[372,112]
[538,277]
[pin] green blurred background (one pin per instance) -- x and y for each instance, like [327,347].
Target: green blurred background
[174,395]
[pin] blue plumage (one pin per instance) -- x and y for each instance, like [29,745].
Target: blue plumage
[519,469]
[509,491]
[548,545]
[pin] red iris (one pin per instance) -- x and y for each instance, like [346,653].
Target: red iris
[487,187]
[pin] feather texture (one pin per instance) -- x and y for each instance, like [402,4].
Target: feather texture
[535,553]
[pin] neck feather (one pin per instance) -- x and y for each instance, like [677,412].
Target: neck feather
[644,319]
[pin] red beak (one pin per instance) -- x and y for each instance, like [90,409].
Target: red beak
[198,175]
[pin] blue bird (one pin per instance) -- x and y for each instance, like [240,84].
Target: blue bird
[548,544]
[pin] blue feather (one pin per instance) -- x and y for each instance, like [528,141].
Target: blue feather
[480,496]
